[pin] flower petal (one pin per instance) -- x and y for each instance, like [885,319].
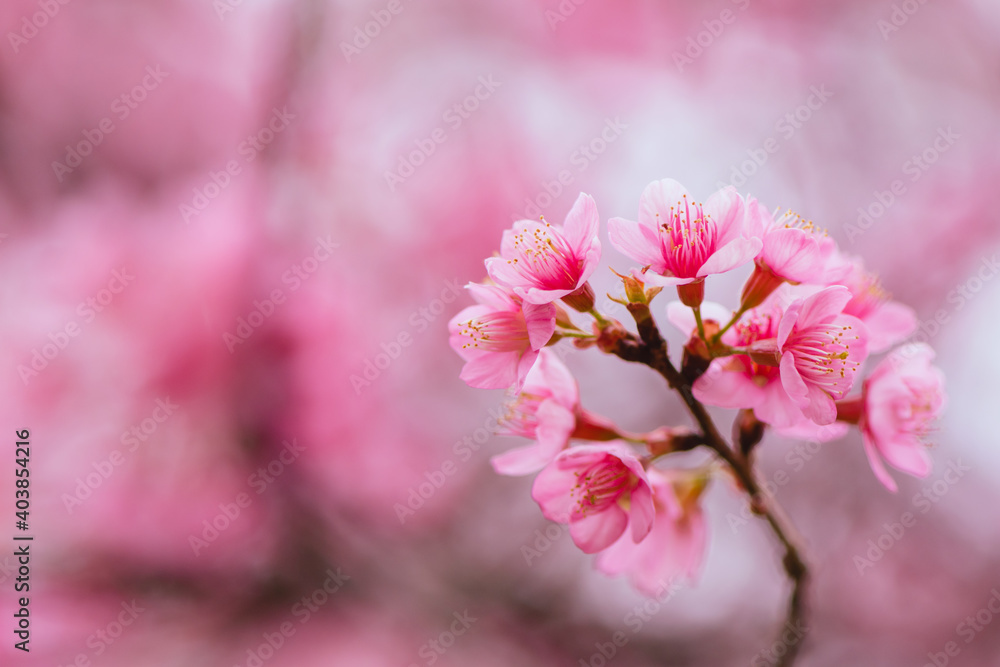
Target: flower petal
[520,461]
[726,209]
[823,305]
[737,252]
[641,512]
[792,382]
[582,224]
[875,461]
[636,241]
[540,320]
[888,325]
[597,532]
[727,389]
[491,370]
[657,198]
[821,408]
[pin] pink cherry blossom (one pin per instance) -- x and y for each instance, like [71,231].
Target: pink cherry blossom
[675,547]
[542,263]
[683,241]
[901,398]
[545,410]
[499,339]
[739,382]
[791,252]
[600,491]
[888,322]
[820,350]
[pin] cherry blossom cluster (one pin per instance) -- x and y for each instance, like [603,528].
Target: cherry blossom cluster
[789,354]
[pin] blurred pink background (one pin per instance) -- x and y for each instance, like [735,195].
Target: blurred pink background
[233,233]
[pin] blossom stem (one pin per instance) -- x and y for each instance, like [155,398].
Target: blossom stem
[601,320]
[736,318]
[701,324]
[650,349]
[574,334]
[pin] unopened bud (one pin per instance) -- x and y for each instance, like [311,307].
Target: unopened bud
[635,290]
[748,431]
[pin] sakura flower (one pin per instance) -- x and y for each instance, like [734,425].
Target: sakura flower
[791,252]
[542,263]
[600,491]
[738,381]
[899,400]
[675,546]
[682,241]
[499,339]
[545,410]
[888,322]
[820,350]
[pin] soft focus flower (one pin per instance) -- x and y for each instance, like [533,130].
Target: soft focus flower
[790,252]
[820,350]
[545,411]
[900,399]
[542,263]
[739,382]
[683,241]
[599,490]
[888,322]
[675,546]
[500,338]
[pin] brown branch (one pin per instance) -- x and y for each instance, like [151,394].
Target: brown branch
[650,349]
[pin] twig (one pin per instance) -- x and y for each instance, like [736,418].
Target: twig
[650,349]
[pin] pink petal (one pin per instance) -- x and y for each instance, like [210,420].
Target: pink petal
[737,252]
[498,298]
[888,325]
[551,490]
[524,366]
[725,207]
[520,461]
[727,389]
[792,382]
[541,297]
[823,305]
[788,322]
[794,255]
[582,224]
[635,241]
[597,532]
[907,454]
[821,408]
[641,512]
[502,273]
[757,218]
[491,370]
[651,278]
[509,236]
[876,464]
[777,408]
[658,197]
[458,341]
[555,425]
[554,375]
[540,320]
[810,430]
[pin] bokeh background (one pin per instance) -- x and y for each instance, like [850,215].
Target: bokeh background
[232,233]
